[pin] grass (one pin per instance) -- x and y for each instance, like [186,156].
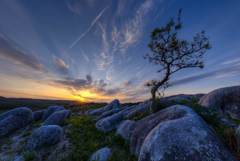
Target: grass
[86,140]
[28,156]
[27,134]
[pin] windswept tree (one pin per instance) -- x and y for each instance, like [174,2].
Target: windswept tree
[173,54]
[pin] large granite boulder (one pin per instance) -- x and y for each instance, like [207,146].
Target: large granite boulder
[51,110]
[14,119]
[101,155]
[174,133]
[57,118]
[111,122]
[49,134]
[95,112]
[226,101]
[37,115]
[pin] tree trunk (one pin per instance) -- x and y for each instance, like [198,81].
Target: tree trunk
[153,105]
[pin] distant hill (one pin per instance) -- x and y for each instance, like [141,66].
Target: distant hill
[2,97]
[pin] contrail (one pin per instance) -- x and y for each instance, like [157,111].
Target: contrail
[94,21]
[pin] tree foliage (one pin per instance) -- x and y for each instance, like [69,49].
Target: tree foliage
[173,53]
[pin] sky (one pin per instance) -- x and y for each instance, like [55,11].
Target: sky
[92,50]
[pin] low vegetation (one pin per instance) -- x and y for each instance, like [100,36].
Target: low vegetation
[86,140]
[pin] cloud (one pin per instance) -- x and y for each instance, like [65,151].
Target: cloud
[129,58]
[223,72]
[12,53]
[109,72]
[132,30]
[231,61]
[102,83]
[61,66]
[89,78]
[127,83]
[85,56]
[76,8]
[94,21]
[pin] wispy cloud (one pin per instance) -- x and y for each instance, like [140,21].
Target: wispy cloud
[76,8]
[129,58]
[94,21]
[12,53]
[231,61]
[105,57]
[85,57]
[61,66]
[109,73]
[131,32]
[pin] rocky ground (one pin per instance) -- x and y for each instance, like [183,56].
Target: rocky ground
[186,127]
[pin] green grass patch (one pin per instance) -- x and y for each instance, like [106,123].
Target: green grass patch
[86,140]
[27,134]
[28,156]
[194,100]
[144,114]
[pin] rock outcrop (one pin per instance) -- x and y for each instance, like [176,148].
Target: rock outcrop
[226,101]
[181,97]
[51,110]
[101,155]
[112,105]
[109,113]
[37,115]
[174,133]
[49,134]
[14,119]
[111,122]
[57,118]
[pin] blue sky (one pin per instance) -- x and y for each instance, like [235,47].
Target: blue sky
[92,49]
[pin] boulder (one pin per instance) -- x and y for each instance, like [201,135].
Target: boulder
[95,112]
[198,96]
[111,122]
[37,115]
[69,113]
[228,124]
[14,119]
[226,101]
[72,114]
[45,135]
[139,110]
[181,97]
[109,113]
[181,134]
[88,111]
[126,128]
[237,134]
[112,105]
[165,103]
[51,110]
[57,118]
[79,114]
[101,155]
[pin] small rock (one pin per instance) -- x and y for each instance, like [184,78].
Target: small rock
[101,155]
[72,114]
[51,110]
[49,134]
[57,118]
[14,119]
[227,123]
[79,114]
[37,115]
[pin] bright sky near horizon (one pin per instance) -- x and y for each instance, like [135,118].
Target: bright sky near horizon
[93,49]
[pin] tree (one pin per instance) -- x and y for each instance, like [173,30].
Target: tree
[173,54]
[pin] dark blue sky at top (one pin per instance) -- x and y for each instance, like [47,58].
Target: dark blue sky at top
[97,46]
